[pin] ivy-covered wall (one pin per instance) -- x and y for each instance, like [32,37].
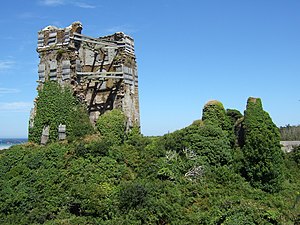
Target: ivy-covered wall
[214,114]
[56,105]
[263,157]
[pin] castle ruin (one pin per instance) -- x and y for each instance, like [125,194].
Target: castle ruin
[101,71]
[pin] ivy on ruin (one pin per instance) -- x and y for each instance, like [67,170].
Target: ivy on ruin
[56,105]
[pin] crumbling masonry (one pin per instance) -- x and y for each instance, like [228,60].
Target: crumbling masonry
[102,71]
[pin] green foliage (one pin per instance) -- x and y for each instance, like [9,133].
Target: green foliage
[57,105]
[214,114]
[234,115]
[210,143]
[80,183]
[79,122]
[165,174]
[132,195]
[50,183]
[262,153]
[295,155]
[135,138]
[98,147]
[111,125]
[149,180]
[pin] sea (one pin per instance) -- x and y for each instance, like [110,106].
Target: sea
[8,142]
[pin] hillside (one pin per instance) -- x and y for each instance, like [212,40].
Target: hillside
[202,174]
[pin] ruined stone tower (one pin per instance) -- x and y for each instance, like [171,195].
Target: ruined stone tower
[101,71]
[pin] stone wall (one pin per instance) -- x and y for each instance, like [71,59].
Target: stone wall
[101,71]
[288,146]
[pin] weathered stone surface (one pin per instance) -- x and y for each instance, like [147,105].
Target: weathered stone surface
[45,135]
[288,146]
[102,71]
[62,132]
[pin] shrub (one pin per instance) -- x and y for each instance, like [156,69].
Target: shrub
[135,138]
[132,195]
[112,125]
[98,147]
[210,143]
[295,154]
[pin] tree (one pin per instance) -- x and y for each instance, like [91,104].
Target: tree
[263,158]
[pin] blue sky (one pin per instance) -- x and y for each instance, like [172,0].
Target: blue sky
[188,52]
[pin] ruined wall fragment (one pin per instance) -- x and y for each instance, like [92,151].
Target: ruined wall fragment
[101,71]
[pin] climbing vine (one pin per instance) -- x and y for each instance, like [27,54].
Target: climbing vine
[56,105]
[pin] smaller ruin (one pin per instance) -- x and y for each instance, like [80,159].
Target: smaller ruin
[62,132]
[102,72]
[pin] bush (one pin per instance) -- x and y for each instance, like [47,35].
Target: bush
[132,195]
[135,138]
[210,143]
[96,148]
[295,154]
[112,125]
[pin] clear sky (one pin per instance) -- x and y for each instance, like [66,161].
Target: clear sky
[188,52]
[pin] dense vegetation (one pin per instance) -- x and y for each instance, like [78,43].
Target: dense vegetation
[191,176]
[290,133]
[263,158]
[57,105]
[112,126]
